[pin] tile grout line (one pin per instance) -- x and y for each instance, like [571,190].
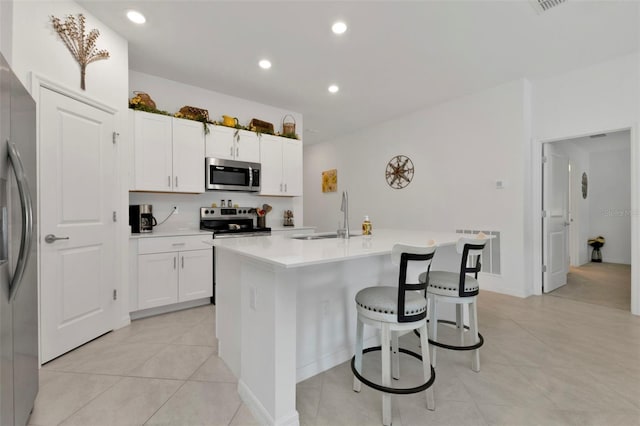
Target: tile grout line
[91,400]
[165,402]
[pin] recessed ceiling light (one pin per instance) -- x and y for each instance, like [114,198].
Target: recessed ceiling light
[136,17]
[339,27]
[265,64]
[333,88]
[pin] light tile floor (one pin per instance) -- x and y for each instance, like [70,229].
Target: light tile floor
[607,284]
[546,361]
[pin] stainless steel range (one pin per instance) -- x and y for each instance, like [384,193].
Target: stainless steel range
[228,222]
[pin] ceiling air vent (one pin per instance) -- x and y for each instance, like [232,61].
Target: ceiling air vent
[544,5]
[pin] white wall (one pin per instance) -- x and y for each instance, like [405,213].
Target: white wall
[171,96]
[610,203]
[459,150]
[37,48]
[6,28]
[588,100]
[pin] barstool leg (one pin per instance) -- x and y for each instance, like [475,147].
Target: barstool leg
[358,360]
[426,366]
[460,322]
[433,327]
[386,374]
[473,326]
[395,358]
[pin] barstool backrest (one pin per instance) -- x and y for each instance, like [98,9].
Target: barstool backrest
[471,251]
[413,261]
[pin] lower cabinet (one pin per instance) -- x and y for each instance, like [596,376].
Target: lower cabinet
[168,277]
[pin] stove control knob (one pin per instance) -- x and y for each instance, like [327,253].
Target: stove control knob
[206,212]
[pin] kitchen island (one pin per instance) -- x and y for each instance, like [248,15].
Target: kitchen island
[285,307]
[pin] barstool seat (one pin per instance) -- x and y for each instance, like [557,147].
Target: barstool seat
[446,283]
[384,302]
[396,311]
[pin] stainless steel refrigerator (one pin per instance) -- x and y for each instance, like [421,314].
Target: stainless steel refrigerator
[18,251]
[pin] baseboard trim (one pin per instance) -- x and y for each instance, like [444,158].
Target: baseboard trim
[169,308]
[261,413]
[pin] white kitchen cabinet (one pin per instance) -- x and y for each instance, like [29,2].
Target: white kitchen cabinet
[168,153]
[173,270]
[232,144]
[281,166]
[188,156]
[157,280]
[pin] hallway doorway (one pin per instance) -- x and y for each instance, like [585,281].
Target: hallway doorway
[597,203]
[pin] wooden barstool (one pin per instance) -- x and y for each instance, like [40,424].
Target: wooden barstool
[461,289]
[396,311]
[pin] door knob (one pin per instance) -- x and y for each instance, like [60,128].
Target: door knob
[50,238]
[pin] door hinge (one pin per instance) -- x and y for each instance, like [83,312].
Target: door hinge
[115,137]
[115,294]
[115,216]
[544,268]
[544,213]
[544,159]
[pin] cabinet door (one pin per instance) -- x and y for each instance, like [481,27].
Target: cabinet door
[152,152]
[157,279]
[188,156]
[271,165]
[220,142]
[248,147]
[196,275]
[292,167]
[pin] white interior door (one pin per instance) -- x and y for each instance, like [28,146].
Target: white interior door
[77,202]
[556,219]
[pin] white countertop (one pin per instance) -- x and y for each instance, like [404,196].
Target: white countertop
[290,253]
[171,233]
[291,228]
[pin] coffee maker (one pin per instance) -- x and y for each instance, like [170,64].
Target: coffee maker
[141,218]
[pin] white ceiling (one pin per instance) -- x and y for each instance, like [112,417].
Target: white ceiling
[395,58]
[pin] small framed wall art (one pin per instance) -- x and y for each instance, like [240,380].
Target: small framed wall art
[330,180]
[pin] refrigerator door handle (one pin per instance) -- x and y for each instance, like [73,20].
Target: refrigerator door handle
[27,220]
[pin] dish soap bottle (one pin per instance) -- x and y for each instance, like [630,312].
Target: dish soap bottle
[366,226]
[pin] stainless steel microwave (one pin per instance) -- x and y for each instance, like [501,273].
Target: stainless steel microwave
[229,175]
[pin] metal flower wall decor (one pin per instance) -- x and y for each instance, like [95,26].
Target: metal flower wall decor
[82,46]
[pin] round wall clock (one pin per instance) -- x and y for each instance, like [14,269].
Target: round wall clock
[584,185]
[399,171]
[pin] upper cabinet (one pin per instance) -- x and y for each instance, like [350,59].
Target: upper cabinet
[232,144]
[281,166]
[168,153]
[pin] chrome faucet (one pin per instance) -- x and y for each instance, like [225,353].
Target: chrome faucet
[344,207]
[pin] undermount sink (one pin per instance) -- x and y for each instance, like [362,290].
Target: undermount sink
[319,236]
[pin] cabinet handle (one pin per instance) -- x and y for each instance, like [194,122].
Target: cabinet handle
[178,244]
[182,262]
[231,151]
[285,187]
[169,181]
[237,151]
[174,262]
[281,187]
[176,181]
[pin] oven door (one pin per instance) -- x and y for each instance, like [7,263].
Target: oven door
[229,175]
